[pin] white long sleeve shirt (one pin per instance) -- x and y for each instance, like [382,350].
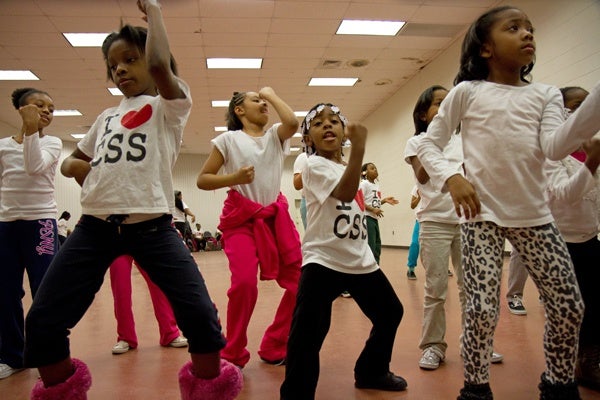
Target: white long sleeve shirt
[27,173]
[507,133]
[573,191]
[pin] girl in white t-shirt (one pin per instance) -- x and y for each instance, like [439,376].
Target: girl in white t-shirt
[336,257]
[373,203]
[299,165]
[256,224]
[508,127]
[124,165]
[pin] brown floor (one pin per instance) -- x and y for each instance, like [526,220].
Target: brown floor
[150,371]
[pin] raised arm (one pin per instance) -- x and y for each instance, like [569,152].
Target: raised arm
[348,185]
[289,121]
[158,54]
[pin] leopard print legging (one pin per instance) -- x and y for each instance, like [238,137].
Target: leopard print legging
[547,260]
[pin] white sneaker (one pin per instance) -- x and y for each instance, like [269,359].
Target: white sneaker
[121,347]
[179,342]
[431,358]
[497,358]
[516,306]
[6,370]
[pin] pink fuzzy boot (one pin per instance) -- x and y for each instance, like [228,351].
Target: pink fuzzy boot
[224,387]
[74,388]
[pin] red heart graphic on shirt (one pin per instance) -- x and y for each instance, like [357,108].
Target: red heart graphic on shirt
[133,119]
[360,199]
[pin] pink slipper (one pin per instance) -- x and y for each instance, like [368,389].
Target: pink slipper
[74,388]
[226,386]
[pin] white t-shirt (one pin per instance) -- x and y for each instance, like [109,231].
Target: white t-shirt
[507,132]
[62,227]
[265,153]
[435,205]
[299,165]
[133,148]
[178,215]
[27,173]
[336,232]
[372,196]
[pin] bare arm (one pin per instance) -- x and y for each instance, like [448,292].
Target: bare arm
[420,173]
[298,181]
[77,166]
[348,185]
[289,121]
[208,179]
[158,54]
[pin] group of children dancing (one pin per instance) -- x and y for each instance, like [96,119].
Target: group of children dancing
[482,147]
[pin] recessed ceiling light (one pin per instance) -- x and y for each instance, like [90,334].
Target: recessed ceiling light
[115,91]
[220,103]
[66,113]
[362,27]
[220,128]
[242,63]
[77,135]
[300,113]
[23,75]
[85,39]
[332,81]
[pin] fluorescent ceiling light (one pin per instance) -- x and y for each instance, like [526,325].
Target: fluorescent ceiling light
[220,103]
[300,113]
[115,91]
[242,63]
[332,81]
[85,39]
[220,128]
[297,134]
[18,76]
[77,135]
[360,27]
[66,113]
[294,148]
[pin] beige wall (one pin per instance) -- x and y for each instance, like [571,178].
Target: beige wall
[568,53]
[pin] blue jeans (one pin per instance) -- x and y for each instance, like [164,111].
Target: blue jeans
[413,250]
[24,245]
[77,272]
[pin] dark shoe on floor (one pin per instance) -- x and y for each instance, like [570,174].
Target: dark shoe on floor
[411,275]
[480,391]
[278,362]
[558,391]
[587,368]
[389,382]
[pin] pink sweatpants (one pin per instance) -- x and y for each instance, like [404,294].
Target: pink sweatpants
[243,293]
[120,282]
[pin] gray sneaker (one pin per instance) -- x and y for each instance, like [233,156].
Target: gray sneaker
[432,358]
[6,370]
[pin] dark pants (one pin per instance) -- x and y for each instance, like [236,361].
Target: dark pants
[318,288]
[374,237]
[587,270]
[77,272]
[24,245]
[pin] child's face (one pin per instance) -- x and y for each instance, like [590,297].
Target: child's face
[129,70]
[511,44]
[372,173]
[45,106]
[438,96]
[574,99]
[254,108]
[327,133]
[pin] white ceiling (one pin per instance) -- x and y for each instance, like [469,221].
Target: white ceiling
[295,38]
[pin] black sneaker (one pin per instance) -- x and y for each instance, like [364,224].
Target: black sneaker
[515,305]
[389,382]
[411,275]
[278,362]
[476,392]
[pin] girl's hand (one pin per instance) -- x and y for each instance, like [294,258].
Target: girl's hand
[142,4]
[266,93]
[378,212]
[30,114]
[464,196]
[357,134]
[76,168]
[389,200]
[245,175]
